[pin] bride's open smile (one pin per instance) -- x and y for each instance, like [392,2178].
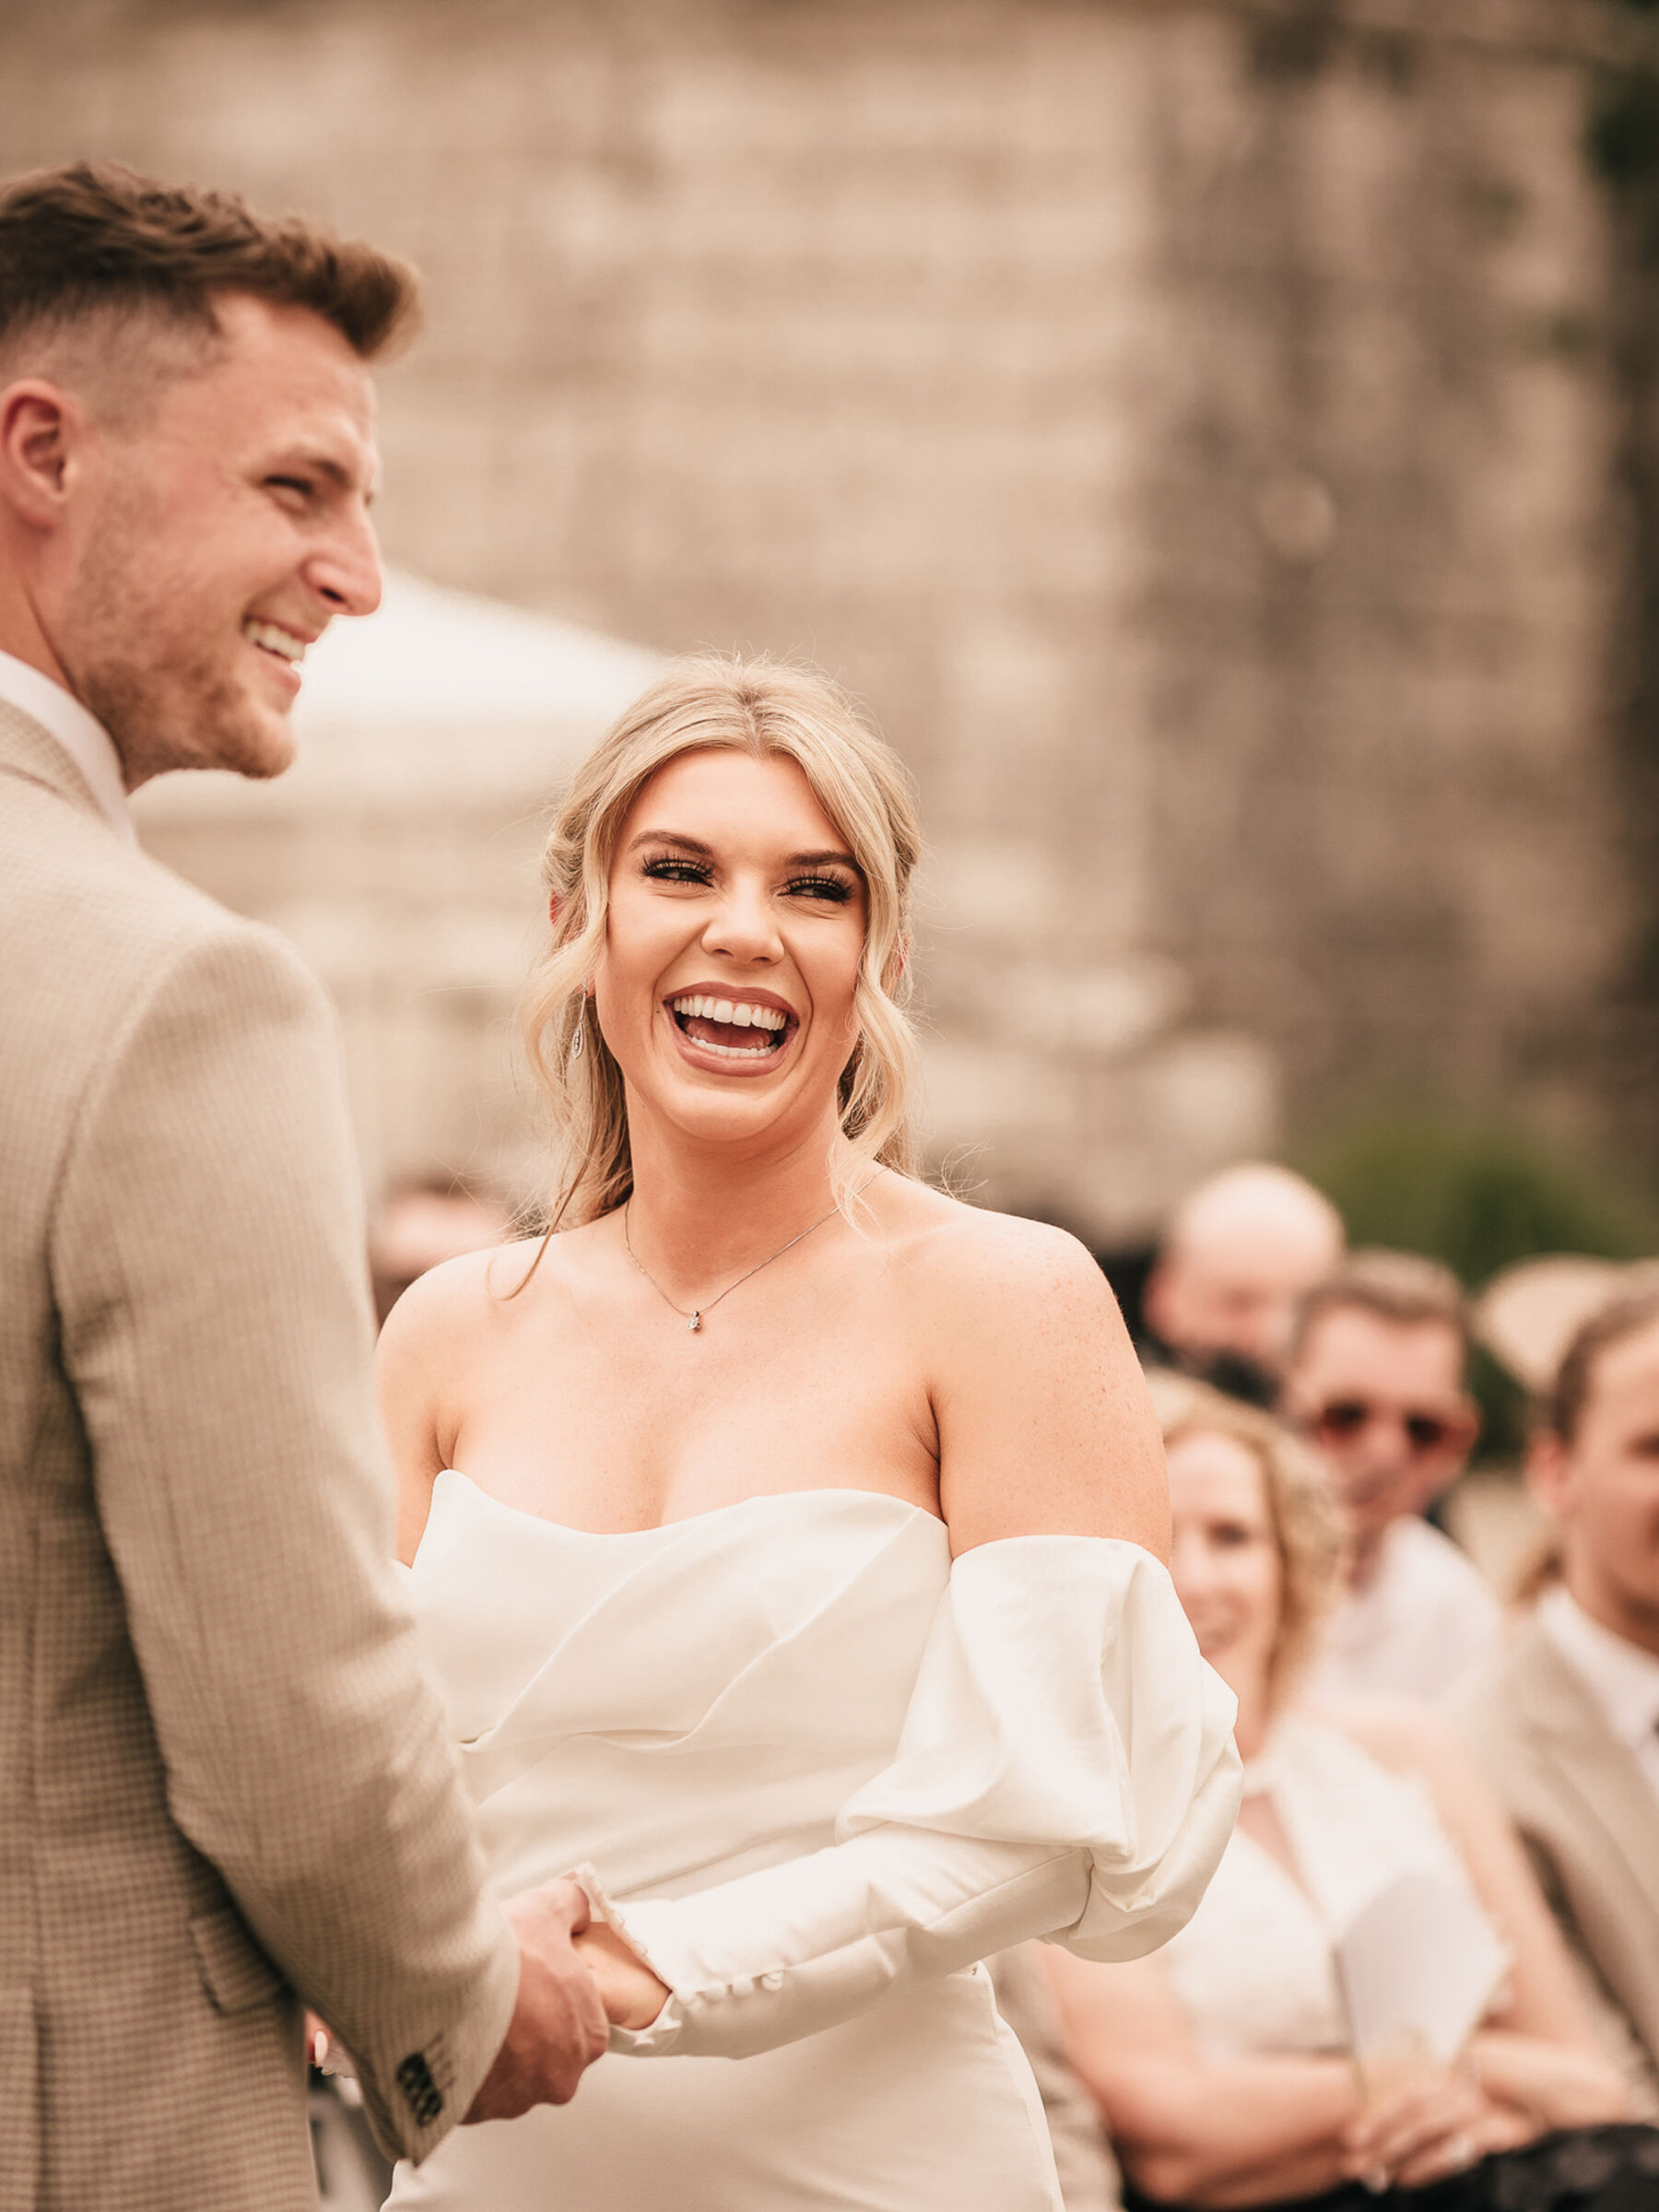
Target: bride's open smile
[735,926]
[750,1027]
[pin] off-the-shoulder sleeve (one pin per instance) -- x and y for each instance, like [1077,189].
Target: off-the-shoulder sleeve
[1066,1770]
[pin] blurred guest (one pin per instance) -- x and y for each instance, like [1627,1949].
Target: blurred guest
[1240,1252]
[1087,2172]
[1223,2062]
[422,1221]
[1375,1380]
[1566,1722]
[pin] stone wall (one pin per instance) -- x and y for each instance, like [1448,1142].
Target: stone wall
[1184,425]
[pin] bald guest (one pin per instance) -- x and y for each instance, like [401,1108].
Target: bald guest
[1241,1253]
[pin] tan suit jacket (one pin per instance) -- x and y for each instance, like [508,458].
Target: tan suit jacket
[222,1778]
[1590,1821]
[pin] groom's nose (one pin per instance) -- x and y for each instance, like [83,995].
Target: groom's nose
[344,569]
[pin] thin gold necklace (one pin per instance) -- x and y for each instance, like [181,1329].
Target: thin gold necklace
[694,1320]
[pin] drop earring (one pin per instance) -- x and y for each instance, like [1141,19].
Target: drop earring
[576,1040]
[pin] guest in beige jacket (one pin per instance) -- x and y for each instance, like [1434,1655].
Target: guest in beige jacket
[224,1784]
[1566,1720]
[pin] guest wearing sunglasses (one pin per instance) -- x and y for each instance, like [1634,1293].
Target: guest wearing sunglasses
[1374,1381]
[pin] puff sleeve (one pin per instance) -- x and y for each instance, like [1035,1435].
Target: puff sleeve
[1066,1769]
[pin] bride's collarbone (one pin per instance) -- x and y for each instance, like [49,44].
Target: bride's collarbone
[698,1340]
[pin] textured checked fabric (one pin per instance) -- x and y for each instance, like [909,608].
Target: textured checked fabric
[1590,1823]
[222,1778]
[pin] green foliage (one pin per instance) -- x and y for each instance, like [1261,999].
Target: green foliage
[1477,1198]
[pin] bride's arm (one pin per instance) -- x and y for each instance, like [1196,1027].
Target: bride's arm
[428,1346]
[1066,1767]
[1045,1424]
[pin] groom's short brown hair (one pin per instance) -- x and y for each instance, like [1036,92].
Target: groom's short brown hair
[98,238]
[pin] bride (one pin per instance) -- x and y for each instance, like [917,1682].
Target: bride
[786,1538]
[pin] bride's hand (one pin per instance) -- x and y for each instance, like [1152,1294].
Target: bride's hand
[630,1992]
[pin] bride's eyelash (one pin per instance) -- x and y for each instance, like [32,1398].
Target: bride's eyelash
[666,870]
[834,888]
[675,868]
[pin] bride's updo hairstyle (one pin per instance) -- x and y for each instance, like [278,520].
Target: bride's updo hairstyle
[770,711]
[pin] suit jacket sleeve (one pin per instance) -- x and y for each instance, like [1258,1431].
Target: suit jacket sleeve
[209,1280]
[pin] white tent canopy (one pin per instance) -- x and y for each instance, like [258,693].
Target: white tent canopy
[399,853]
[438,692]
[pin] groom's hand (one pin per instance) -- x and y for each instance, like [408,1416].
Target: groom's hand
[558,2026]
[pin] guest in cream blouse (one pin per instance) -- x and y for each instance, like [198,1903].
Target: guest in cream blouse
[1223,2066]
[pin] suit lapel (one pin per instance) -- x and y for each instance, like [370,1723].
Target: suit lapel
[29,749]
[1619,1810]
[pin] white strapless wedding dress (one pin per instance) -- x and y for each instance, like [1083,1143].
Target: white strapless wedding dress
[814,1773]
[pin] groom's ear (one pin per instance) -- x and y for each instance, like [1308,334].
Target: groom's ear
[42,433]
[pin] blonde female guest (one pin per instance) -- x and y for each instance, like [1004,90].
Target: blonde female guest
[787,1538]
[1222,2066]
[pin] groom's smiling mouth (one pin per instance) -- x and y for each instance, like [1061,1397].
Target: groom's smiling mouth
[285,646]
[748,1026]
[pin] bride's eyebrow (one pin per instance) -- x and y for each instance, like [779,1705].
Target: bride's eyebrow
[831,857]
[671,837]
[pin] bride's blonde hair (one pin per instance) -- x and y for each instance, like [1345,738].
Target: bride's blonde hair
[768,709]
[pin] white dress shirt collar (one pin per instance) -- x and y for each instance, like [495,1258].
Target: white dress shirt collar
[1620,1675]
[1418,1628]
[82,737]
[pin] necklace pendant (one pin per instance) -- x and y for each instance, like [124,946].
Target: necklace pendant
[695,1322]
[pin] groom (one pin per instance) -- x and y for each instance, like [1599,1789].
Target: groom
[223,1782]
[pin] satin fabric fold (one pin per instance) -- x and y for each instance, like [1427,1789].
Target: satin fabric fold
[817,1771]
[1064,1769]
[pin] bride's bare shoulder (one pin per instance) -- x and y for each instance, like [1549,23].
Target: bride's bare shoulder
[479,1294]
[971,1260]
[1043,1421]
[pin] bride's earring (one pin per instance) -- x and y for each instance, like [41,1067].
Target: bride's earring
[576,1040]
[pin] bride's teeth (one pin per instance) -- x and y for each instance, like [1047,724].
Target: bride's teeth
[736,1014]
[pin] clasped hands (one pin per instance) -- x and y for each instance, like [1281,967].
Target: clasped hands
[577,1980]
[1434,2123]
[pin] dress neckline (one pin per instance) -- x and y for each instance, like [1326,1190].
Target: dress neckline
[713,1512]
